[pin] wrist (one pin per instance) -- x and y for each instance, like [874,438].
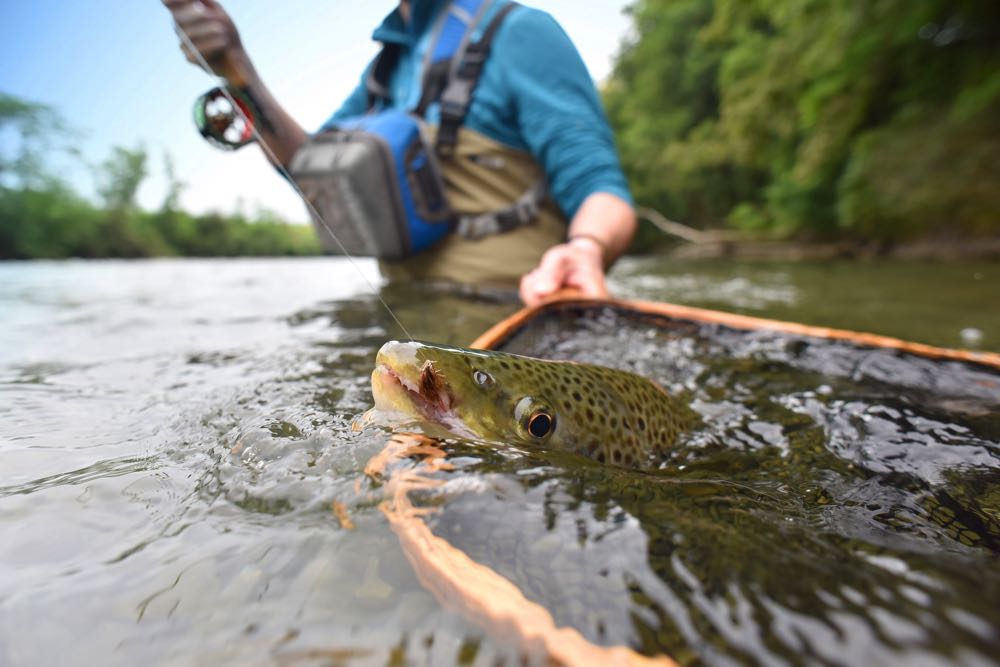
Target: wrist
[239,71]
[592,244]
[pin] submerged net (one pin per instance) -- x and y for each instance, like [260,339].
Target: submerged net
[838,503]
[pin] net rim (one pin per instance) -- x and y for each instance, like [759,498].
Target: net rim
[506,328]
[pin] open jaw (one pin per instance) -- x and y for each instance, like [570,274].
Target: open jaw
[426,397]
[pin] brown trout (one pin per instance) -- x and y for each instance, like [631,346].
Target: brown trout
[609,415]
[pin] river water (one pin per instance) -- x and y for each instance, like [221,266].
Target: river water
[174,433]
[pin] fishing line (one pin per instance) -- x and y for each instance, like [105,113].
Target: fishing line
[284,172]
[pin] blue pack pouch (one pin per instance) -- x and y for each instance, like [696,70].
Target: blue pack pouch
[378,184]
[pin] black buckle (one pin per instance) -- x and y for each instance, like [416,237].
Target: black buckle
[452,112]
[471,65]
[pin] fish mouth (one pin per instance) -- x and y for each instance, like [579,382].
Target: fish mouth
[426,394]
[407,384]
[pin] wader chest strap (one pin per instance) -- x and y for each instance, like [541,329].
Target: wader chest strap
[461,84]
[524,211]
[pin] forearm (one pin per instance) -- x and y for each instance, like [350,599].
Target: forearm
[605,220]
[279,131]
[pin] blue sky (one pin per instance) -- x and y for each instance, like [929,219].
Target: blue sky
[114,70]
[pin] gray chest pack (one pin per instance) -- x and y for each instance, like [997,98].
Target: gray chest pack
[375,182]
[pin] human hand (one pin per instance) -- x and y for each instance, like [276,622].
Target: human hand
[212,32]
[578,264]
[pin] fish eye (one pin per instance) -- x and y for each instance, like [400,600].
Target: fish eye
[534,417]
[481,378]
[540,424]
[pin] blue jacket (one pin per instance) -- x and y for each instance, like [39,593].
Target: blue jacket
[534,94]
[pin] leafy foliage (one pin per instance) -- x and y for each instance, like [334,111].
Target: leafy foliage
[41,217]
[33,130]
[817,117]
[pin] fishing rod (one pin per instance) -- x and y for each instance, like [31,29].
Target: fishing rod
[231,137]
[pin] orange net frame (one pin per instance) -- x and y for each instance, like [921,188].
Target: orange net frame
[487,598]
[497,334]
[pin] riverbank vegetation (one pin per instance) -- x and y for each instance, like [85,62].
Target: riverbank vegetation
[814,119]
[41,216]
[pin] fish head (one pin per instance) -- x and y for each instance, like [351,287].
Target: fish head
[476,394]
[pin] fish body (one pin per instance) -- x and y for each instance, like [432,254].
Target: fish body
[610,415]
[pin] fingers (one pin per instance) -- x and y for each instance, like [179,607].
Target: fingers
[591,284]
[563,267]
[551,274]
[209,47]
[208,38]
[186,12]
[545,279]
[552,270]
[206,32]
[204,4]
[529,295]
[196,19]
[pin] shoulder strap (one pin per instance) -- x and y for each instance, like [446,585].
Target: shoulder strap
[451,33]
[451,70]
[460,85]
[377,77]
[449,59]
[451,36]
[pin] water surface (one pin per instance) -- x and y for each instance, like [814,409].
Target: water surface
[173,435]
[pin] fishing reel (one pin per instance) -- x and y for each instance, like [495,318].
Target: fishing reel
[225,117]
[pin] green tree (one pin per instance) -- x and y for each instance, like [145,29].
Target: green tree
[816,117]
[35,130]
[120,176]
[175,186]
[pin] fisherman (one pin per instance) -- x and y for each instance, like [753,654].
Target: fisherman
[534,114]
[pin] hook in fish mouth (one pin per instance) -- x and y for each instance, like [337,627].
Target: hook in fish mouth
[433,389]
[425,397]
[428,393]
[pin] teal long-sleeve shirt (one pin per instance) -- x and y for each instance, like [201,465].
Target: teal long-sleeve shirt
[534,94]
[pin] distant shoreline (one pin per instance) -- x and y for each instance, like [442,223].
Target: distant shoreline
[987,248]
